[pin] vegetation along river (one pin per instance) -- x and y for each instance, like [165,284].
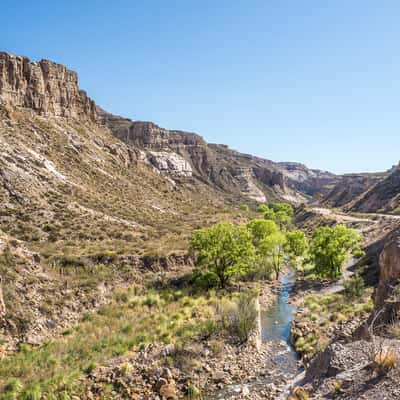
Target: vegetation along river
[275,328]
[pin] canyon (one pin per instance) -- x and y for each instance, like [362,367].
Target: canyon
[93,203]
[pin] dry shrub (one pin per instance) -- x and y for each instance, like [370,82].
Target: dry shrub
[300,393]
[385,360]
[240,317]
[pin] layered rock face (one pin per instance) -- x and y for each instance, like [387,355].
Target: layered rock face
[350,187]
[306,180]
[170,163]
[389,263]
[45,87]
[187,154]
[384,196]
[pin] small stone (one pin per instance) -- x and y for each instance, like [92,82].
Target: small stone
[168,391]
[245,391]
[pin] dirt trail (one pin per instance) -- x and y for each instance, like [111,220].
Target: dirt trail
[354,217]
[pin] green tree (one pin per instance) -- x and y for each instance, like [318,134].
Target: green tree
[330,247]
[283,219]
[281,213]
[271,249]
[296,244]
[225,249]
[260,228]
[262,208]
[282,207]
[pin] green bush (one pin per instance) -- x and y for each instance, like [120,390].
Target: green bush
[354,287]
[240,318]
[194,393]
[358,253]
[12,389]
[206,280]
[33,392]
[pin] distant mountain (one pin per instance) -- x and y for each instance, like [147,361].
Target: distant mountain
[348,187]
[383,196]
[215,164]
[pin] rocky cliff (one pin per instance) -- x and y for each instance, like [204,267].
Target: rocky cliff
[389,263]
[188,154]
[384,196]
[45,87]
[50,89]
[349,187]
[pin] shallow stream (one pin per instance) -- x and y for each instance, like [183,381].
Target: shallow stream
[275,328]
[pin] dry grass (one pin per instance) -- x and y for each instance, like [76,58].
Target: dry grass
[385,360]
[320,312]
[129,322]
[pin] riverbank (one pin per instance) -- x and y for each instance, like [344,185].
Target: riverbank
[281,364]
[209,369]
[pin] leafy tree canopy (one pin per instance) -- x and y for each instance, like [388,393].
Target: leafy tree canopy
[330,247]
[281,213]
[282,207]
[296,243]
[225,249]
[260,228]
[272,249]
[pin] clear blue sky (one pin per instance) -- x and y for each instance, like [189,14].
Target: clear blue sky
[311,81]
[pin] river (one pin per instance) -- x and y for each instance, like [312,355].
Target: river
[275,328]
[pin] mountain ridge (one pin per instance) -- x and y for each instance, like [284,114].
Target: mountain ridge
[51,90]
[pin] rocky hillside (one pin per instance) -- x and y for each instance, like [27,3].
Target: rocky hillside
[65,177]
[365,365]
[188,154]
[349,187]
[369,192]
[383,197]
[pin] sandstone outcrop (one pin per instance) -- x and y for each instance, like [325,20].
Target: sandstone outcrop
[170,163]
[45,87]
[389,263]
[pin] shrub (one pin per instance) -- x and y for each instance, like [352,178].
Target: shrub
[358,253]
[354,287]
[208,328]
[301,393]
[194,393]
[152,300]
[384,360]
[90,368]
[205,280]
[217,346]
[240,318]
[12,389]
[33,392]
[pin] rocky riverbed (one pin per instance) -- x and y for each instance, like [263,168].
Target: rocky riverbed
[260,369]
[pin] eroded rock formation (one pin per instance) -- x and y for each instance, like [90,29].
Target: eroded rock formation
[389,271]
[45,87]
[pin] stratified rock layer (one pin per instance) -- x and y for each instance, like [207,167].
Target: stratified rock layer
[389,271]
[45,87]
